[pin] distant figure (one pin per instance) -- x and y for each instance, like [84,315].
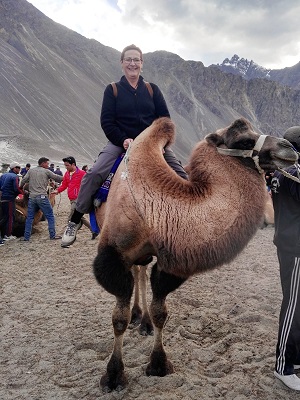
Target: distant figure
[9,188]
[72,181]
[25,169]
[38,179]
[51,167]
[58,171]
[85,168]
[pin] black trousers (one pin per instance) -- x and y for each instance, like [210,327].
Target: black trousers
[288,345]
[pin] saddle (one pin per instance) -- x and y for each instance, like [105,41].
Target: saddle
[102,193]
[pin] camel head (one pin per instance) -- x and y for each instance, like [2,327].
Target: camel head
[263,152]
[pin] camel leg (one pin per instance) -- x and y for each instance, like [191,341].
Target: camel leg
[111,273]
[140,316]
[136,312]
[162,284]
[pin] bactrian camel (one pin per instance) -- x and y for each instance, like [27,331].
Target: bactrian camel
[190,226]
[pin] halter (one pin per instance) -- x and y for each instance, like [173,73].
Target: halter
[247,153]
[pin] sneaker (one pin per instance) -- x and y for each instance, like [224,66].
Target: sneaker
[69,235]
[291,381]
[9,237]
[1,242]
[24,240]
[56,237]
[296,367]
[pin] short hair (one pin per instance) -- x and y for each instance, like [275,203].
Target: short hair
[42,160]
[28,165]
[70,160]
[131,47]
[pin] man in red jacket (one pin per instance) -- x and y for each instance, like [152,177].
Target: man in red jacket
[72,180]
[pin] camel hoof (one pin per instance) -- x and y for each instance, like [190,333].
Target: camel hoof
[159,365]
[146,326]
[118,383]
[136,317]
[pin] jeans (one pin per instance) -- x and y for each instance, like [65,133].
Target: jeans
[39,202]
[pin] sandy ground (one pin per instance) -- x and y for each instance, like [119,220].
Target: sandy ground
[56,333]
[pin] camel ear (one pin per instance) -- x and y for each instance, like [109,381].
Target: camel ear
[215,139]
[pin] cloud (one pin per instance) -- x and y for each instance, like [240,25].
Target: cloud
[266,31]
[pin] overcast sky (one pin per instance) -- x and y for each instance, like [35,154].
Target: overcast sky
[265,31]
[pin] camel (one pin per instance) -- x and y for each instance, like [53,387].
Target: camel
[190,226]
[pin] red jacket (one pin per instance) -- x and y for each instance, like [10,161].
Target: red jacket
[72,182]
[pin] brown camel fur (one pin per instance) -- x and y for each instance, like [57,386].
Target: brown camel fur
[190,226]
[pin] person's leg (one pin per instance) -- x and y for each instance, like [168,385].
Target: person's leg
[84,221]
[288,345]
[47,209]
[11,208]
[96,176]
[90,183]
[174,163]
[32,209]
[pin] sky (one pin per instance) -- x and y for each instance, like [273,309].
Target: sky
[265,31]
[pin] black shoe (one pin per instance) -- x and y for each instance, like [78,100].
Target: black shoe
[94,235]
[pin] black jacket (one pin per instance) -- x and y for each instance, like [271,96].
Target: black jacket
[132,111]
[286,202]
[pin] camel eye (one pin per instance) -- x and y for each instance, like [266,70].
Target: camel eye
[244,144]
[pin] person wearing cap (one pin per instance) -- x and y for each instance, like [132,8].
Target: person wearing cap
[72,181]
[10,189]
[286,202]
[38,179]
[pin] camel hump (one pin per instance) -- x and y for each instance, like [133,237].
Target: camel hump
[162,129]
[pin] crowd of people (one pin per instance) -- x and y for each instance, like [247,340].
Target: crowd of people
[37,181]
[128,107]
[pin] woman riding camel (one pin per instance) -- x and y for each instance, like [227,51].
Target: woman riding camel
[128,108]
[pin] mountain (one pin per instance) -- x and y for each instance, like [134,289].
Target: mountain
[289,76]
[52,81]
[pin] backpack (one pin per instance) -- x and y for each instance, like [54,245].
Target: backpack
[149,87]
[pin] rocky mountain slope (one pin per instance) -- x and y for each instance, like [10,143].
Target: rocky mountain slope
[52,81]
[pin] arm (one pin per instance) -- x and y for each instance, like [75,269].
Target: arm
[25,179]
[161,108]
[108,119]
[17,188]
[63,186]
[52,175]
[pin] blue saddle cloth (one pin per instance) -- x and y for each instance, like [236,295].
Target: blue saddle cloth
[102,193]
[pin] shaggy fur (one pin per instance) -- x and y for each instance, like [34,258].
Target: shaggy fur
[190,226]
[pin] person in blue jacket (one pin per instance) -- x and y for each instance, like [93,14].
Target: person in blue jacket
[126,112]
[9,188]
[286,202]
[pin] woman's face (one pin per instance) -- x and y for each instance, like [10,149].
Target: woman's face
[132,64]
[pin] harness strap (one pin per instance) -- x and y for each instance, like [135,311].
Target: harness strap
[148,85]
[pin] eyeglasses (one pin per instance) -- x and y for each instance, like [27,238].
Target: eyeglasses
[129,60]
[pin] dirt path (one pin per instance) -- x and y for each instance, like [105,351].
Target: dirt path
[56,334]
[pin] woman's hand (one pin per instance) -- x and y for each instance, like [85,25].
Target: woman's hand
[126,143]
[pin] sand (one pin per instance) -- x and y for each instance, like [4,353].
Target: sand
[56,333]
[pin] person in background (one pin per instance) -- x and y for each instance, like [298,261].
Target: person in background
[58,171]
[9,188]
[286,202]
[124,116]
[85,168]
[72,180]
[38,179]
[25,169]
[51,167]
